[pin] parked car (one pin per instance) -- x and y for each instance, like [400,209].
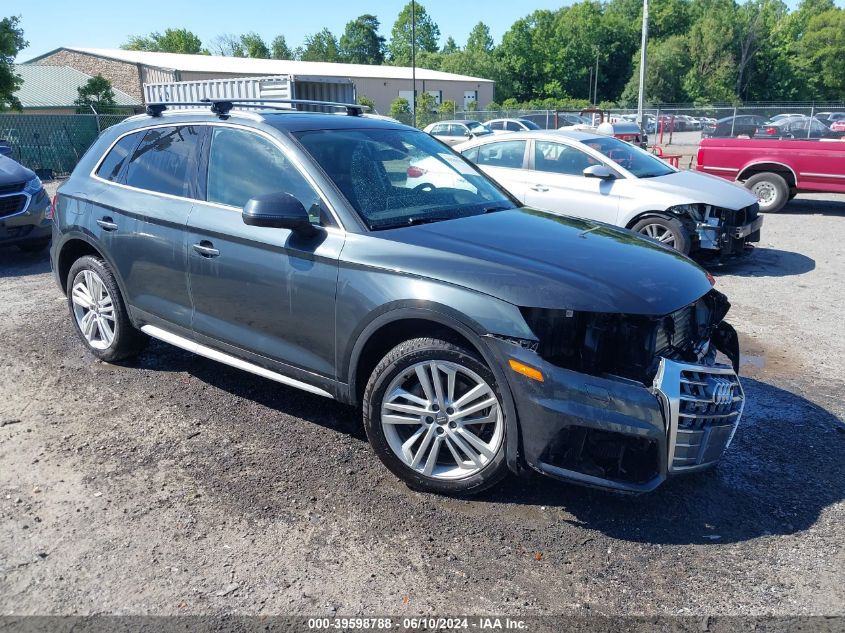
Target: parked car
[690,123]
[740,125]
[25,209]
[829,118]
[602,178]
[803,127]
[779,117]
[838,125]
[776,170]
[454,132]
[500,126]
[476,336]
[568,119]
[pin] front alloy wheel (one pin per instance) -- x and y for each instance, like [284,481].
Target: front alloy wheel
[434,416]
[442,420]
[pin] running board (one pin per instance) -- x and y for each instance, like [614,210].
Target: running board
[213,354]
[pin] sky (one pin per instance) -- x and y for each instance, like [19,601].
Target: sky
[49,24]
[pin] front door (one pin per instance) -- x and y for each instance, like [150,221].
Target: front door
[264,291]
[504,162]
[557,183]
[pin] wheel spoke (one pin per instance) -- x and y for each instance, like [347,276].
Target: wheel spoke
[475,441]
[460,461]
[423,447]
[401,393]
[425,383]
[405,408]
[433,454]
[398,419]
[438,384]
[81,297]
[467,450]
[472,394]
[489,402]
[406,446]
[106,332]
[87,325]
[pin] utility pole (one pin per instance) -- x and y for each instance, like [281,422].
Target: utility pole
[596,77]
[414,62]
[643,48]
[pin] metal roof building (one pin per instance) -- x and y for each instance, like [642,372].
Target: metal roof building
[53,89]
[130,70]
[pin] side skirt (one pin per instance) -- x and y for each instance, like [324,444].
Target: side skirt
[213,354]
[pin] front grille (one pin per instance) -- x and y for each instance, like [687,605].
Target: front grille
[9,205]
[676,332]
[15,187]
[704,408]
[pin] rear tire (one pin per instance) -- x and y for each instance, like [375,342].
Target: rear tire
[669,231]
[447,438]
[99,313]
[771,190]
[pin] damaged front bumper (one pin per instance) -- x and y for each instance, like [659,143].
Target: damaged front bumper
[729,232]
[614,433]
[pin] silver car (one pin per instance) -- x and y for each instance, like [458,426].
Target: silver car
[455,132]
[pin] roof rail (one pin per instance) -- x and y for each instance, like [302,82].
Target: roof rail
[221,107]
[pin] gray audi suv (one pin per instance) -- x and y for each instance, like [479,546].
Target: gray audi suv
[363,260]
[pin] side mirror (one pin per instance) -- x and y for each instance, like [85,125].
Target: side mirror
[278,211]
[598,171]
[467,133]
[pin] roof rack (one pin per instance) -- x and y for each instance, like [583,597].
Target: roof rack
[221,107]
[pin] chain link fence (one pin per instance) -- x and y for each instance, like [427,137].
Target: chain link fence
[52,144]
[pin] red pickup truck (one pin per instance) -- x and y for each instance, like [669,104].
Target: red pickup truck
[777,169]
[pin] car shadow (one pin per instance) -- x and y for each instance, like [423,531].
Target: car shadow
[782,470]
[763,262]
[16,263]
[813,206]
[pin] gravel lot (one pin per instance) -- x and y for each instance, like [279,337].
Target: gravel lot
[172,484]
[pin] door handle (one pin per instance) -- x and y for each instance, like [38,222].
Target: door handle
[540,188]
[107,224]
[206,249]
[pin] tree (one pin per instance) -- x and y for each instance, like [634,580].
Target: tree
[668,63]
[479,40]
[279,48]
[171,41]
[97,93]
[400,110]
[227,45]
[450,47]
[320,47]
[11,43]
[823,50]
[713,71]
[361,43]
[254,46]
[366,101]
[427,35]
[426,109]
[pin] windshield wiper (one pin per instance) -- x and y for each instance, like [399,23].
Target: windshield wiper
[494,208]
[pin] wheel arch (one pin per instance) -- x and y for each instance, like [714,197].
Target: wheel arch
[78,245]
[642,215]
[767,166]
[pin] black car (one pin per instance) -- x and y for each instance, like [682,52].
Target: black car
[740,125]
[25,211]
[476,336]
[796,128]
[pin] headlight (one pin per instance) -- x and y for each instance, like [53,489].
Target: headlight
[33,186]
[694,211]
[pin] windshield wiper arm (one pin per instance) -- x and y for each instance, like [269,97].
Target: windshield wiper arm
[494,208]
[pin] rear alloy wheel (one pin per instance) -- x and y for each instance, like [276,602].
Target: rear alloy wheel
[668,231]
[433,414]
[771,190]
[99,313]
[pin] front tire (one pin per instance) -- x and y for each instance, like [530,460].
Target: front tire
[771,190]
[668,231]
[433,414]
[99,313]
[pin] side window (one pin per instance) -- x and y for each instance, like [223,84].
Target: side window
[166,161]
[114,161]
[456,130]
[502,154]
[513,126]
[495,125]
[439,130]
[471,154]
[243,165]
[558,158]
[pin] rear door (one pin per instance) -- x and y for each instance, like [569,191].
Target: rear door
[141,214]
[557,183]
[264,293]
[504,161]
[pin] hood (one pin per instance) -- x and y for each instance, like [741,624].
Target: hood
[12,172]
[535,259]
[693,187]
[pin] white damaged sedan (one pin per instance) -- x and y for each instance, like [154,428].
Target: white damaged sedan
[589,175]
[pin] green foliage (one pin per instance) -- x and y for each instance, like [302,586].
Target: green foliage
[823,48]
[451,46]
[427,35]
[361,43]
[447,109]
[171,41]
[426,109]
[320,47]
[228,45]
[254,46]
[279,48]
[366,101]
[11,42]
[400,110]
[97,93]
[479,40]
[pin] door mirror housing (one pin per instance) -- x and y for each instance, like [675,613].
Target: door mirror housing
[278,211]
[599,171]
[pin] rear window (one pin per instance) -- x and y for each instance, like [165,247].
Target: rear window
[166,161]
[114,161]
